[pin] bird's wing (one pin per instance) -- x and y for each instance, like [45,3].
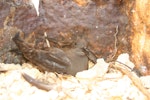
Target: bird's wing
[61,60]
[37,83]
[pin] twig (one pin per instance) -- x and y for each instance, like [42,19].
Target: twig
[115,35]
[47,42]
[110,58]
[136,81]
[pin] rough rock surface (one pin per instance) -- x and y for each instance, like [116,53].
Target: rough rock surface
[66,20]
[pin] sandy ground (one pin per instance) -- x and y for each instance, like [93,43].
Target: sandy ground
[107,86]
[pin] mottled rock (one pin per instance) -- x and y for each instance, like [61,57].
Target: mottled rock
[70,20]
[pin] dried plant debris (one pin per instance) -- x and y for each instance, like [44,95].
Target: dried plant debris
[120,83]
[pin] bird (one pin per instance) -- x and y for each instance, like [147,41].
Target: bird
[55,59]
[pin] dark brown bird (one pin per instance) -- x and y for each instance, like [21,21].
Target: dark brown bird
[57,60]
[54,59]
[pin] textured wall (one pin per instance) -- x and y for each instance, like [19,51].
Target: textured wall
[140,39]
[102,23]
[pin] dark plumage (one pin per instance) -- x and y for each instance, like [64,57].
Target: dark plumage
[68,61]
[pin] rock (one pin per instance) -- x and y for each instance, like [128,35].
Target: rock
[98,70]
[67,20]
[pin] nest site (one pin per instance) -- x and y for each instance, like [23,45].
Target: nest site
[96,83]
[102,81]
